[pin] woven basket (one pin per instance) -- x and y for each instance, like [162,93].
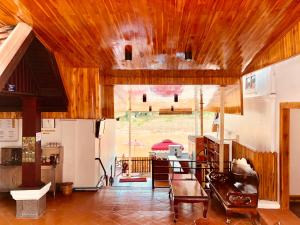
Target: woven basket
[66,188]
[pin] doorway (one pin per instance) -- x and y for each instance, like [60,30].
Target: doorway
[284,142]
[294,161]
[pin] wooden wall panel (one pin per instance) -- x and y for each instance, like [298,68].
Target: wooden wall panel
[82,86]
[287,46]
[265,164]
[107,101]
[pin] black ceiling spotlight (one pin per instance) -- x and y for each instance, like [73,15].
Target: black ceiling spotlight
[188,54]
[144,98]
[175,97]
[150,108]
[128,52]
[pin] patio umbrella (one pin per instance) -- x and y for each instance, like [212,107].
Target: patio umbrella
[164,145]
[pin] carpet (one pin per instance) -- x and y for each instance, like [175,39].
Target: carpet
[133,179]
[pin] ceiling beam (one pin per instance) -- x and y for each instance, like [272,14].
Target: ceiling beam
[12,51]
[165,77]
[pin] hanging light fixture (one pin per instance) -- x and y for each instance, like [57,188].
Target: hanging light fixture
[144,98]
[175,97]
[150,108]
[188,53]
[128,52]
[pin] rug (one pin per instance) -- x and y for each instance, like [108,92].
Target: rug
[133,179]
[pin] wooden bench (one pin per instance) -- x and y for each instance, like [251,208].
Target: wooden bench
[236,190]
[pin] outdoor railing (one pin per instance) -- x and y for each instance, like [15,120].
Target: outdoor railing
[138,164]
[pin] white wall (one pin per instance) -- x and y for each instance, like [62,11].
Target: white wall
[80,148]
[287,86]
[259,127]
[17,143]
[254,127]
[294,152]
[85,154]
[107,148]
[67,139]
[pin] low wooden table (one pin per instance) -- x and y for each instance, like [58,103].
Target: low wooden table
[187,191]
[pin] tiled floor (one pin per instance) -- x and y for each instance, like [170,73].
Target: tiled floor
[112,206]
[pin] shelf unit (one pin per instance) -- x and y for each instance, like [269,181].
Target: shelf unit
[212,147]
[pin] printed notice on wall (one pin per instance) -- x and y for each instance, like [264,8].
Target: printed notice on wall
[9,130]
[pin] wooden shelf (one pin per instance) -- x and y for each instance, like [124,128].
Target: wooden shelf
[212,151]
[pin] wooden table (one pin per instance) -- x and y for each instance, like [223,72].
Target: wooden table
[187,191]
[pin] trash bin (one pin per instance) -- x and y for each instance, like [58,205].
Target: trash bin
[66,188]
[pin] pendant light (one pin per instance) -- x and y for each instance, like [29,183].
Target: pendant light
[128,52]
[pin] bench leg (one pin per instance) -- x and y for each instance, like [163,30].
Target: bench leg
[205,208]
[175,207]
[253,218]
[228,217]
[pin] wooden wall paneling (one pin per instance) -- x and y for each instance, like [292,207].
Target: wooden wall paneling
[12,51]
[107,101]
[287,46]
[181,77]
[265,164]
[233,100]
[10,115]
[82,87]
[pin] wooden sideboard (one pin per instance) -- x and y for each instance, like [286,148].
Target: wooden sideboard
[10,177]
[52,173]
[195,147]
[212,147]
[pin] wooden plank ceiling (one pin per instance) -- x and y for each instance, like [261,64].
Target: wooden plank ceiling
[223,35]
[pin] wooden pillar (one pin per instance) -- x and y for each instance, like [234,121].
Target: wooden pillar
[129,133]
[284,158]
[31,152]
[221,129]
[201,113]
[107,100]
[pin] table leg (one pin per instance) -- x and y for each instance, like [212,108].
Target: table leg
[175,207]
[205,208]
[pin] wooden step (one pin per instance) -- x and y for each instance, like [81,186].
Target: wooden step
[277,216]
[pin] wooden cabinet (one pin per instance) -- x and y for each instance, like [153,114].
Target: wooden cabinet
[212,147]
[196,147]
[52,173]
[10,177]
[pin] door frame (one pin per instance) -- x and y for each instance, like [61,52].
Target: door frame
[284,152]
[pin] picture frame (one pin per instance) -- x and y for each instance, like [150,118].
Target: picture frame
[250,83]
[48,123]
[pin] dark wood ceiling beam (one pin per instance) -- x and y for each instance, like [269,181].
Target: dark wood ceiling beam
[13,50]
[164,77]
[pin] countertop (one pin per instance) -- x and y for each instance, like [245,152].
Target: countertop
[214,137]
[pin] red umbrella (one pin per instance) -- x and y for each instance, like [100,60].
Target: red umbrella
[164,145]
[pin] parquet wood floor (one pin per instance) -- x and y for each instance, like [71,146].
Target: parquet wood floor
[114,206]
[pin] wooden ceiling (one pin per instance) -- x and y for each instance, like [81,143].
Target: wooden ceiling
[222,34]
